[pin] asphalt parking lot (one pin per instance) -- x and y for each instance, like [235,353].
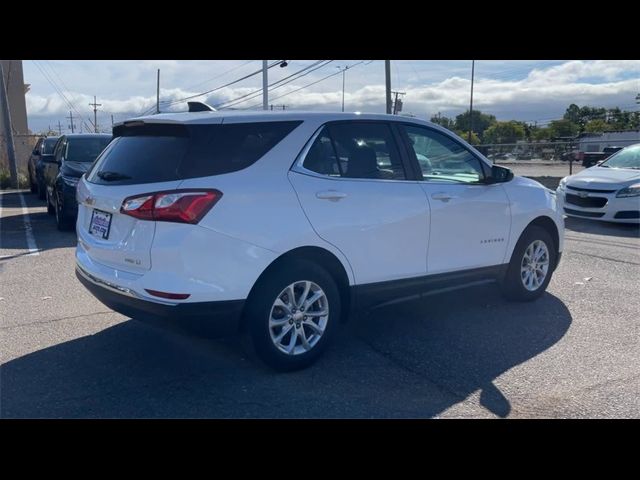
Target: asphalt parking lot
[573,353]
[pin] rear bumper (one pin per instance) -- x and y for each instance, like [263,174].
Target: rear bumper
[210,319]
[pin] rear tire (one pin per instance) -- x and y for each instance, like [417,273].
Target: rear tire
[531,266]
[272,318]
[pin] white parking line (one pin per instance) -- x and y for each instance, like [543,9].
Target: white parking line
[1,220]
[31,241]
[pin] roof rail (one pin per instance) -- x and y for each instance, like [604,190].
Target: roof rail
[200,107]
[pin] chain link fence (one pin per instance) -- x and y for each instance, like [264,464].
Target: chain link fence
[547,162]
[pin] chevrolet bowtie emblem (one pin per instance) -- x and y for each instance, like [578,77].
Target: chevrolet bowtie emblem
[583,194]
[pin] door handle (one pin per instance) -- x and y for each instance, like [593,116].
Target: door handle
[445,197]
[332,195]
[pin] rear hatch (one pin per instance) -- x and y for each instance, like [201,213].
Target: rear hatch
[146,158]
[142,158]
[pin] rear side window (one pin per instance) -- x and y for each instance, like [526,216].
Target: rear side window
[84,149]
[160,153]
[48,144]
[356,150]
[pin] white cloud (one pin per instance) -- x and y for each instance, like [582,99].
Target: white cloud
[530,93]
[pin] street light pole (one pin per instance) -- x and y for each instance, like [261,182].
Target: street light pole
[265,86]
[473,64]
[344,69]
[387,81]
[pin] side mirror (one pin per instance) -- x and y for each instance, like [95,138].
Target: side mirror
[36,152]
[500,175]
[48,159]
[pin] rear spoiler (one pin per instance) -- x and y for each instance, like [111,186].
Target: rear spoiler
[200,107]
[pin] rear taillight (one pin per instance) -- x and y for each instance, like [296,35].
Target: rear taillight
[182,206]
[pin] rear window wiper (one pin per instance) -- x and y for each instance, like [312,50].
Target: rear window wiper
[112,176]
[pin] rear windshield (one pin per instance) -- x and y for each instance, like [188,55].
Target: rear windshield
[85,149]
[48,144]
[160,153]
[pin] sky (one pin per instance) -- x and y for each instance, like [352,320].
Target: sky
[531,90]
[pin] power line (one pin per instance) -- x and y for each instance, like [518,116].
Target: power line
[311,84]
[52,82]
[59,90]
[173,102]
[282,82]
[64,85]
[221,75]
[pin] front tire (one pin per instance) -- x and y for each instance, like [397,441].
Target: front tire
[531,266]
[41,190]
[292,314]
[62,222]
[50,208]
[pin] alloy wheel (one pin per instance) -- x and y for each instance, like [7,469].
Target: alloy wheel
[298,317]
[535,265]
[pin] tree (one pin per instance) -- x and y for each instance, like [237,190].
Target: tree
[443,121]
[563,128]
[475,140]
[541,133]
[597,126]
[504,132]
[481,122]
[572,114]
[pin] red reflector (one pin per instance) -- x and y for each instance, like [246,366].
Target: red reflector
[182,206]
[171,296]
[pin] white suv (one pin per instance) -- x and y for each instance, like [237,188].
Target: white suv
[281,224]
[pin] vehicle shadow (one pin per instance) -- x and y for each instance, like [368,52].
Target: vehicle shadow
[14,229]
[627,230]
[411,361]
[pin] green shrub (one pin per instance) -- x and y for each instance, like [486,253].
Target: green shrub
[5,180]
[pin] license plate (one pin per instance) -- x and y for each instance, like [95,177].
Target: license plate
[100,224]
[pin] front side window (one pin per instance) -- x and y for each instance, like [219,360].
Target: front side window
[442,159]
[364,150]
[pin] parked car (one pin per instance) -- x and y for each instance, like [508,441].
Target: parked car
[609,191]
[281,224]
[35,167]
[72,157]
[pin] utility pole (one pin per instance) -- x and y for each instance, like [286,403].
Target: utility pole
[395,103]
[8,130]
[59,128]
[157,97]
[95,113]
[473,65]
[112,119]
[265,85]
[387,81]
[71,125]
[343,69]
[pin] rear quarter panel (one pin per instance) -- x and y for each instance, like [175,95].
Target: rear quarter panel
[259,205]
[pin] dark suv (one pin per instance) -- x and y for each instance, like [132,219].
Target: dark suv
[35,166]
[72,157]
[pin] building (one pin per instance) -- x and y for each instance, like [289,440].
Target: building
[22,138]
[596,142]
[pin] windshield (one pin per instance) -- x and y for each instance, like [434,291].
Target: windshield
[85,149]
[627,158]
[48,144]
